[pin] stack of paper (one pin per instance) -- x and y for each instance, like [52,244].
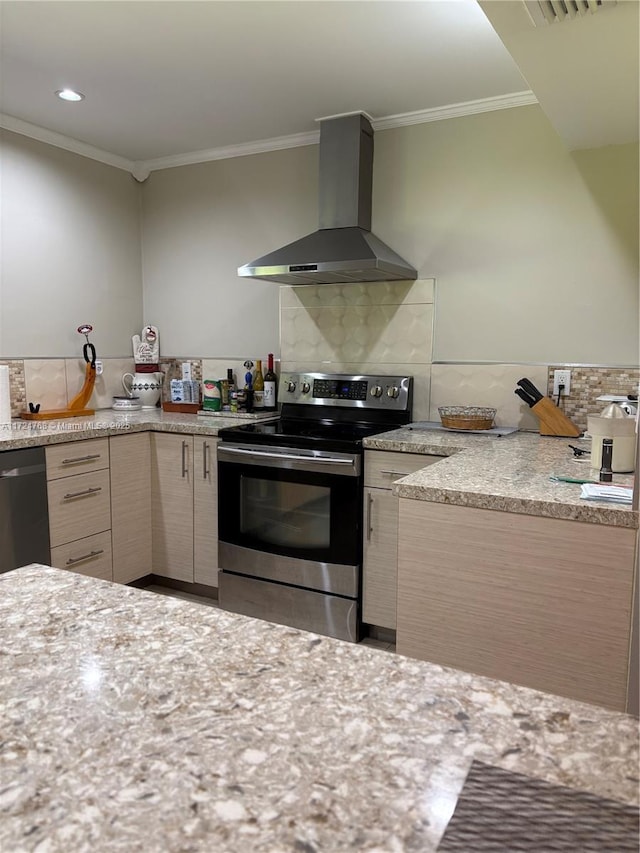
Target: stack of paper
[602,492]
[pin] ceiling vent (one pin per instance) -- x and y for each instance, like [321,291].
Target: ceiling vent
[544,12]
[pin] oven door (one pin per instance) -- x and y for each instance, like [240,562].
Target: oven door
[291,516]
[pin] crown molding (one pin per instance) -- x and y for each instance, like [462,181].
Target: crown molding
[243,149]
[42,134]
[140,169]
[466,108]
[483,105]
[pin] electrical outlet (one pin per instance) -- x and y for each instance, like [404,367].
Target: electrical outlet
[561,377]
[99,368]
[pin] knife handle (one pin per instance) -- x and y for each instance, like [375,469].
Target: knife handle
[524,397]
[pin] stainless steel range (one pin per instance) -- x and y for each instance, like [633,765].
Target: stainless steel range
[290,501]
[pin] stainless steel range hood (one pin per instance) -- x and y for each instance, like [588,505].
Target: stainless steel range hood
[343,249]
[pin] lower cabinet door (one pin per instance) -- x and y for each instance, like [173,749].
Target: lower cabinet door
[88,556]
[131,506]
[172,471]
[205,510]
[380,558]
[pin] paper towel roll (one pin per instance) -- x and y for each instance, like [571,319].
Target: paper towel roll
[5,396]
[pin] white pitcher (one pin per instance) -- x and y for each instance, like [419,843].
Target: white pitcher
[146,386]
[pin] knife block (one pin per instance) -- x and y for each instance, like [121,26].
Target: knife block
[553,421]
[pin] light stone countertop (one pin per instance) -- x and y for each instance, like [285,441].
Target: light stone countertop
[106,422]
[136,722]
[508,473]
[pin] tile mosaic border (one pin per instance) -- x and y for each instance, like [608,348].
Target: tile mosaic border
[588,383]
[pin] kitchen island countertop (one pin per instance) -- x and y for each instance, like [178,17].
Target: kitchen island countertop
[135,722]
[508,473]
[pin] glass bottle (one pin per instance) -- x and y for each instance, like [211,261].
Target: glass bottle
[258,386]
[270,385]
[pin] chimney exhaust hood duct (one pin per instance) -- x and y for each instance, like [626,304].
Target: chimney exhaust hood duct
[343,249]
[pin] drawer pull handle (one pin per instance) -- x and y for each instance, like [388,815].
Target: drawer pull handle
[81,458]
[369,506]
[205,453]
[72,560]
[397,473]
[83,493]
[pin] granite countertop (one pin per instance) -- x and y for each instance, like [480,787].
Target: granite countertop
[509,473]
[21,433]
[135,722]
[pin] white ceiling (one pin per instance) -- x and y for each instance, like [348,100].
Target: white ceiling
[583,69]
[164,79]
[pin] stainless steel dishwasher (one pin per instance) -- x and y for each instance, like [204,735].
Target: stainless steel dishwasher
[24,515]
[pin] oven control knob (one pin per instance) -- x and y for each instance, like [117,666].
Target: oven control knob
[393,391]
[376,391]
[306,387]
[291,387]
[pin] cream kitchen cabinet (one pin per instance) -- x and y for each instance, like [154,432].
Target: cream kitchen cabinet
[131,505]
[205,510]
[79,503]
[184,507]
[380,559]
[542,602]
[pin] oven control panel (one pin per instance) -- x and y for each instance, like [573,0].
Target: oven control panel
[392,393]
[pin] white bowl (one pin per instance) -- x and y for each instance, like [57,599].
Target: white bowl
[126,404]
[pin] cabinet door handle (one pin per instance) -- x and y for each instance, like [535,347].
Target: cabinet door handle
[185,469]
[83,493]
[81,459]
[397,473]
[72,560]
[205,453]
[369,514]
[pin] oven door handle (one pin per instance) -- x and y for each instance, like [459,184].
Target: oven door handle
[347,464]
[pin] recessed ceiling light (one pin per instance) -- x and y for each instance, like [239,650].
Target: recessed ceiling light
[69,95]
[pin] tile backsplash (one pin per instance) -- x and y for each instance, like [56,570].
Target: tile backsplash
[588,383]
[53,382]
[380,327]
[486,385]
[16,385]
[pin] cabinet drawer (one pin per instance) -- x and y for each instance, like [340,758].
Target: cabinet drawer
[78,506]
[383,467]
[77,457]
[89,556]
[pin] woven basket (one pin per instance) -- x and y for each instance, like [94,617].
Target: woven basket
[466,417]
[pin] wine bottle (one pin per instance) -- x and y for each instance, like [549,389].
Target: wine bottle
[258,386]
[270,385]
[233,391]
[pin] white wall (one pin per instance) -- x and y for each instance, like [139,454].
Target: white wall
[200,223]
[534,250]
[70,252]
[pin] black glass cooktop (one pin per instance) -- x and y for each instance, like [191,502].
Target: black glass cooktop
[291,432]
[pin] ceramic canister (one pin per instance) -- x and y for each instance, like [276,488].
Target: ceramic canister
[146,386]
